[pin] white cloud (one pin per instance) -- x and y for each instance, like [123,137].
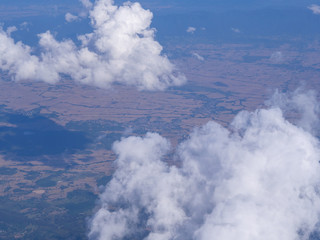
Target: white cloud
[121,49]
[277,57]
[303,103]
[258,180]
[86,3]
[235,30]
[24,26]
[17,60]
[87,6]
[198,56]
[191,30]
[11,30]
[314,8]
[70,17]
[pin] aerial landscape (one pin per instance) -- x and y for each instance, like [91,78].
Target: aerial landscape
[159,119]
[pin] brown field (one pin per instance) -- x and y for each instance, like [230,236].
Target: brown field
[230,79]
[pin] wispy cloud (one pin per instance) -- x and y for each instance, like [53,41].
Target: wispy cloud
[198,56]
[258,180]
[121,49]
[24,26]
[314,8]
[87,3]
[235,30]
[277,57]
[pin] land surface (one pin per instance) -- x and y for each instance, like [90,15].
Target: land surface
[56,140]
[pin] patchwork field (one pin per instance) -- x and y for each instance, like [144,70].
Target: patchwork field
[56,140]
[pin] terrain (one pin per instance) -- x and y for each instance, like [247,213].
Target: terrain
[56,140]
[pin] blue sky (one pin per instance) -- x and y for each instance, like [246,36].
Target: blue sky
[189,5]
[252,17]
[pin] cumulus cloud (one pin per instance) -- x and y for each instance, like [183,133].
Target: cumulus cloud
[296,102]
[121,49]
[70,17]
[259,179]
[314,8]
[191,30]
[11,30]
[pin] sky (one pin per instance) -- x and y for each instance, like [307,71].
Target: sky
[255,179]
[186,3]
[278,18]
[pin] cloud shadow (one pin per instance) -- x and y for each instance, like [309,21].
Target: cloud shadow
[24,138]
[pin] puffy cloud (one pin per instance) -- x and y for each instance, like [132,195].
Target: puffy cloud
[11,29]
[121,49]
[191,30]
[16,58]
[125,204]
[258,179]
[314,8]
[70,17]
[301,102]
